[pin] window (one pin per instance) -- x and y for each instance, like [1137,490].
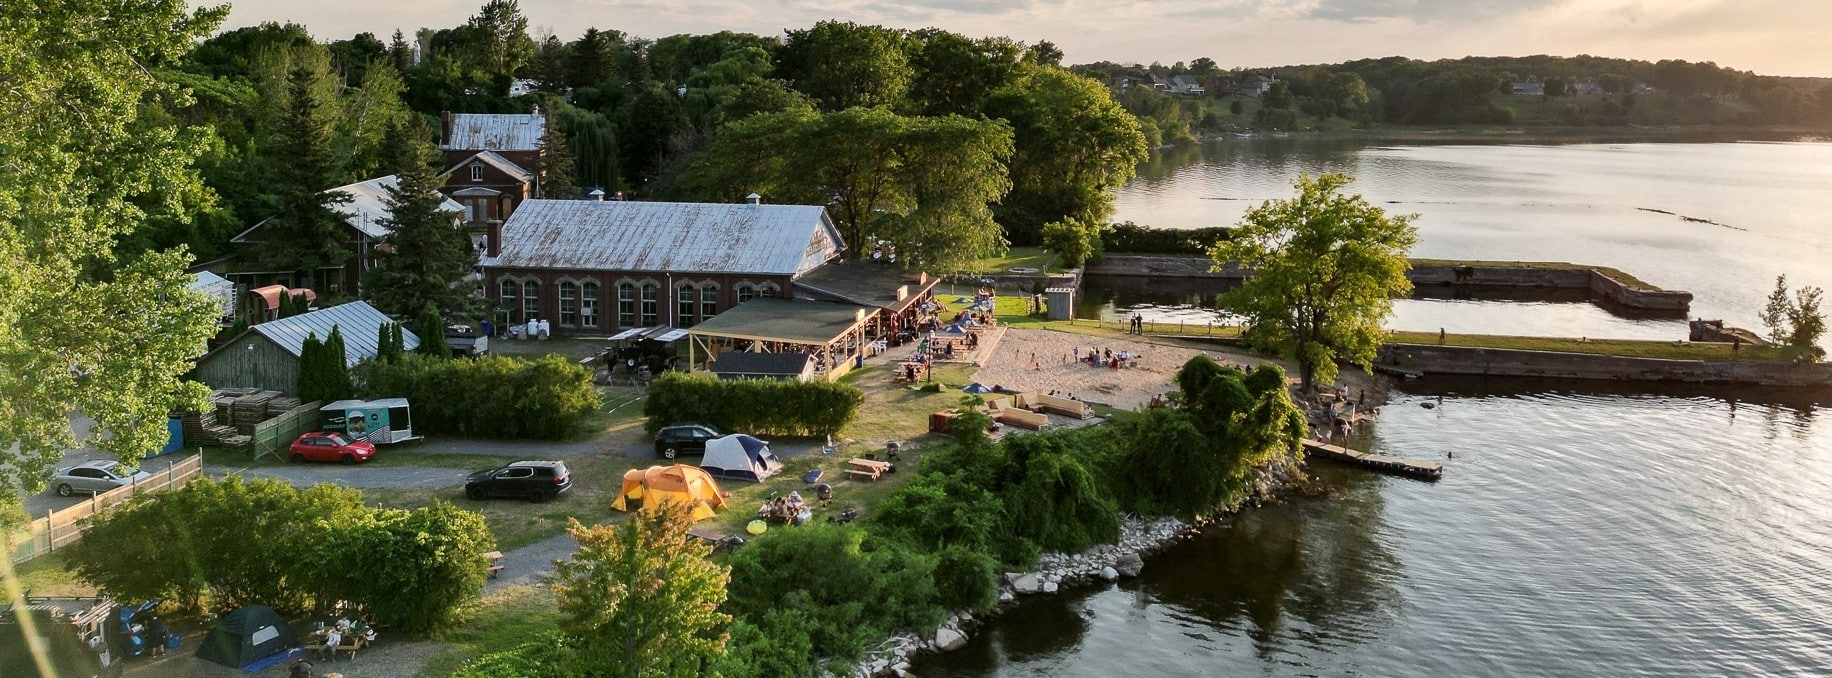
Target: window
[531,299]
[626,305]
[588,305]
[746,292]
[651,304]
[709,301]
[506,295]
[683,306]
[768,290]
[569,304]
[477,173]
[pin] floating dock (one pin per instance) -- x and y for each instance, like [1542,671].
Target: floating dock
[1424,470]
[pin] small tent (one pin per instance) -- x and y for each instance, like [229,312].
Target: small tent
[740,457]
[247,636]
[678,483]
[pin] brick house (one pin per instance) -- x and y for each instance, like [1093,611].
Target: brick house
[490,161]
[598,267]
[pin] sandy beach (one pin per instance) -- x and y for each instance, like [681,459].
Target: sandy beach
[1055,368]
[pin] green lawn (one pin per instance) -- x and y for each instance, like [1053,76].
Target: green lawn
[498,622]
[1018,257]
[1671,350]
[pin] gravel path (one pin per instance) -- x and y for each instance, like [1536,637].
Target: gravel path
[384,660]
[531,564]
[401,477]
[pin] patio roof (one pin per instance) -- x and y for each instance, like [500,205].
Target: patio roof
[782,320]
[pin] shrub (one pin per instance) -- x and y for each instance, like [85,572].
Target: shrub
[965,579]
[1130,238]
[777,644]
[757,406]
[491,396]
[550,656]
[851,590]
[1059,504]
[935,510]
[411,569]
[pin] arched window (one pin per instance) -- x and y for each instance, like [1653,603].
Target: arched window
[506,296]
[569,303]
[651,304]
[683,305]
[531,300]
[709,300]
[476,172]
[746,292]
[626,305]
[769,290]
[588,305]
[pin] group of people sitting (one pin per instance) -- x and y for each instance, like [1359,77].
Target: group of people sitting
[790,509]
[1108,358]
[344,628]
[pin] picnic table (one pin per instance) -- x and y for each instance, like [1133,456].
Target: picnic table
[496,562]
[867,469]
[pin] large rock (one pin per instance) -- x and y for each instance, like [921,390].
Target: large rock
[1129,565]
[1027,584]
[947,639]
[1049,587]
[1109,574]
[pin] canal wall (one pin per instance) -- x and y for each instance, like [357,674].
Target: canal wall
[1495,362]
[1596,284]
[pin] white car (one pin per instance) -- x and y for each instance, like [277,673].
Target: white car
[96,477]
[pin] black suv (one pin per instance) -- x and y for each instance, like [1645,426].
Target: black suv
[537,481]
[679,439]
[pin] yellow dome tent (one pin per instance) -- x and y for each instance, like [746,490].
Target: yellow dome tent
[677,483]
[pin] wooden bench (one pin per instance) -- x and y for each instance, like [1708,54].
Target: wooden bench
[496,562]
[1068,407]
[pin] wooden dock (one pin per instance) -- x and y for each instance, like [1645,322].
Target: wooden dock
[1425,470]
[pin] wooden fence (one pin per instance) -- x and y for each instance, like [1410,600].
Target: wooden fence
[58,529]
[276,434]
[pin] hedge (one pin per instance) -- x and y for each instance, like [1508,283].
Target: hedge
[1130,238]
[766,407]
[491,396]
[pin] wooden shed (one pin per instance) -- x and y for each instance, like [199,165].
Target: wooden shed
[266,356]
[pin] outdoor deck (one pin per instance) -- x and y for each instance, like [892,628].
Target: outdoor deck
[1425,470]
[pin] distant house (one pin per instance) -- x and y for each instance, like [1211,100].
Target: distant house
[489,187]
[364,213]
[514,136]
[266,356]
[1531,88]
[1256,85]
[218,288]
[592,266]
[1585,88]
[522,87]
[490,161]
[1186,85]
[1156,82]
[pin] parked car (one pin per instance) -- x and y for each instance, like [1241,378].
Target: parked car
[324,446]
[537,481]
[678,439]
[96,477]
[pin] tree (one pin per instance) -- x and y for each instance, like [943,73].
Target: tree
[305,233]
[1044,53]
[502,43]
[82,330]
[386,350]
[426,255]
[554,165]
[431,330]
[843,64]
[640,597]
[1236,107]
[324,372]
[1775,314]
[953,74]
[548,68]
[1074,241]
[1795,323]
[1555,87]
[591,63]
[1072,142]
[1325,269]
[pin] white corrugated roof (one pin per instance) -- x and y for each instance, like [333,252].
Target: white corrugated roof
[685,237]
[496,132]
[368,205]
[356,321]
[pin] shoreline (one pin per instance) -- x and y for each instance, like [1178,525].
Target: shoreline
[1541,134]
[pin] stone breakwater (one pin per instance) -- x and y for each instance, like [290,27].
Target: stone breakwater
[1139,537]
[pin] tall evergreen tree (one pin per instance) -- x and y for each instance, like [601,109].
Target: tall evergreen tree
[311,364]
[336,367]
[555,163]
[426,255]
[431,328]
[306,233]
[591,62]
[400,54]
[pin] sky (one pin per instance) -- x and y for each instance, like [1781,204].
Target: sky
[1771,37]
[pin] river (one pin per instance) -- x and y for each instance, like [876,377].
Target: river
[1584,203]
[1575,533]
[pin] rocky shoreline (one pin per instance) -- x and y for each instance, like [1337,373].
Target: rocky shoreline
[1139,537]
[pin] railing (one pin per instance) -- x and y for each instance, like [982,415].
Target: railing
[277,433]
[58,529]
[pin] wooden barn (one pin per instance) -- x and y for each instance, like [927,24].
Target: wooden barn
[266,356]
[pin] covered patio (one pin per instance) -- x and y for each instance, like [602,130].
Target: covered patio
[833,333]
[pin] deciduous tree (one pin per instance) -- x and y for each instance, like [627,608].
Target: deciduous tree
[1073,143]
[642,598]
[1326,267]
[843,64]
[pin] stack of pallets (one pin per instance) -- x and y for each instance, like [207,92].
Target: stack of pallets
[282,405]
[250,410]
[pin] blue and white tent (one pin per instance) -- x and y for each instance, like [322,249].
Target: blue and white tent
[740,457]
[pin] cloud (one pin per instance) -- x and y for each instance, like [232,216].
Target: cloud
[1421,11]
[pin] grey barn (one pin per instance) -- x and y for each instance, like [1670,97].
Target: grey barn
[266,356]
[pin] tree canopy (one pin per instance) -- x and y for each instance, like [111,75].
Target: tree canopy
[641,597]
[423,260]
[1326,266]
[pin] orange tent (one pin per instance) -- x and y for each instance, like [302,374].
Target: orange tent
[678,483]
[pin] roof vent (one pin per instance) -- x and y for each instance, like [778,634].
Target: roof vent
[596,194]
[753,199]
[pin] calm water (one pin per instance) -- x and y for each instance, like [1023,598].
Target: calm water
[1572,535]
[1580,203]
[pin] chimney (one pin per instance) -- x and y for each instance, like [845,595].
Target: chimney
[493,241]
[596,194]
[618,196]
[753,199]
[445,128]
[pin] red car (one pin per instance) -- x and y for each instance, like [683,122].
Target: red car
[329,447]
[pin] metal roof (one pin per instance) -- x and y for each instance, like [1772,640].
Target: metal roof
[786,320]
[491,158]
[495,132]
[357,321]
[368,205]
[667,236]
[868,283]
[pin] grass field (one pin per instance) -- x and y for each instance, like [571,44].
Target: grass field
[1670,350]
[1018,257]
[500,621]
